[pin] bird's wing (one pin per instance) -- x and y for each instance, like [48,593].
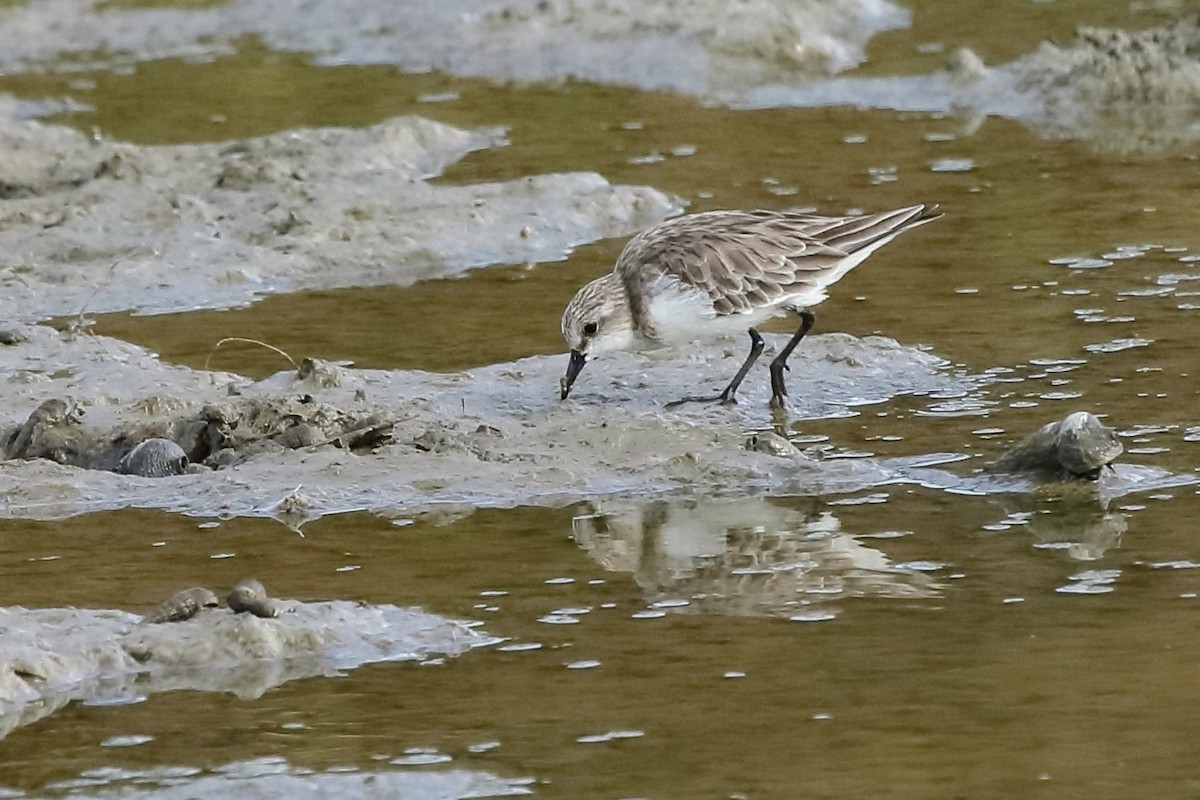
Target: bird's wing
[747,260]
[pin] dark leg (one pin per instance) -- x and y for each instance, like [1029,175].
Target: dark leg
[728,395]
[778,390]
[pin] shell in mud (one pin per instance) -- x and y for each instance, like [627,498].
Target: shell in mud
[154,458]
[182,605]
[250,597]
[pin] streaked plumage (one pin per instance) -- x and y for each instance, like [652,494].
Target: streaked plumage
[707,275]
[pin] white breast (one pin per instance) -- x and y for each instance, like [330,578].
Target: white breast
[680,313]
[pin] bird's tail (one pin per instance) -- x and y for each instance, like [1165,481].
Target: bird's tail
[871,231]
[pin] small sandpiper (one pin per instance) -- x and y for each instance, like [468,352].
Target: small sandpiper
[703,276]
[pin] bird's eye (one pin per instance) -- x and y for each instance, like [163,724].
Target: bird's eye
[590,328]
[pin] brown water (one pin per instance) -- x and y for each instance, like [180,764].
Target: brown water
[991,682]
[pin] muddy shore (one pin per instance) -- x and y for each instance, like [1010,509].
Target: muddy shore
[1129,91]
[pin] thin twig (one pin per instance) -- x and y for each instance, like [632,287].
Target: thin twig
[247,341]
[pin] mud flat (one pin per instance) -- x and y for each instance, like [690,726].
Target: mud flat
[51,656]
[105,226]
[1128,91]
[494,436]
[1121,91]
[694,46]
[274,778]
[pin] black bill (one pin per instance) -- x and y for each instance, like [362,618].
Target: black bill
[578,359]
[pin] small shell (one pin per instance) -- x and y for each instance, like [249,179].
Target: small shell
[182,605]
[154,458]
[250,597]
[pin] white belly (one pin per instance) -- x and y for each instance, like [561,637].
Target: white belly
[679,314]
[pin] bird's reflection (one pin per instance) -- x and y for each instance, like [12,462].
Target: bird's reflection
[742,557]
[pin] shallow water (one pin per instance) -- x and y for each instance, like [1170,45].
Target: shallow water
[944,644]
[992,679]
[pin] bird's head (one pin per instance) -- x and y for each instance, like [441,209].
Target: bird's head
[597,320]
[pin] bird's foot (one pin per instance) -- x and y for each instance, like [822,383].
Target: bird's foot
[779,410]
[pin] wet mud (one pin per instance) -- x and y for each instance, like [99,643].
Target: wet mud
[686,45]
[409,441]
[277,779]
[98,225]
[1125,91]
[52,656]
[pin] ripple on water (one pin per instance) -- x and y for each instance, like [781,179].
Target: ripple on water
[1173,278]
[963,407]
[1148,292]
[1117,345]
[875,498]
[1081,262]
[130,740]
[1092,581]
[952,165]
[610,736]
[920,566]
[420,757]
[587,663]
[1145,430]
[648,614]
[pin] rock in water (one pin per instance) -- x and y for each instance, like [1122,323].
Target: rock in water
[182,605]
[250,597]
[1077,446]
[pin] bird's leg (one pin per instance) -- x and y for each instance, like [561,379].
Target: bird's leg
[728,395]
[778,390]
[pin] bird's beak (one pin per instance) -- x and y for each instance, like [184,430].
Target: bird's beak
[578,359]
